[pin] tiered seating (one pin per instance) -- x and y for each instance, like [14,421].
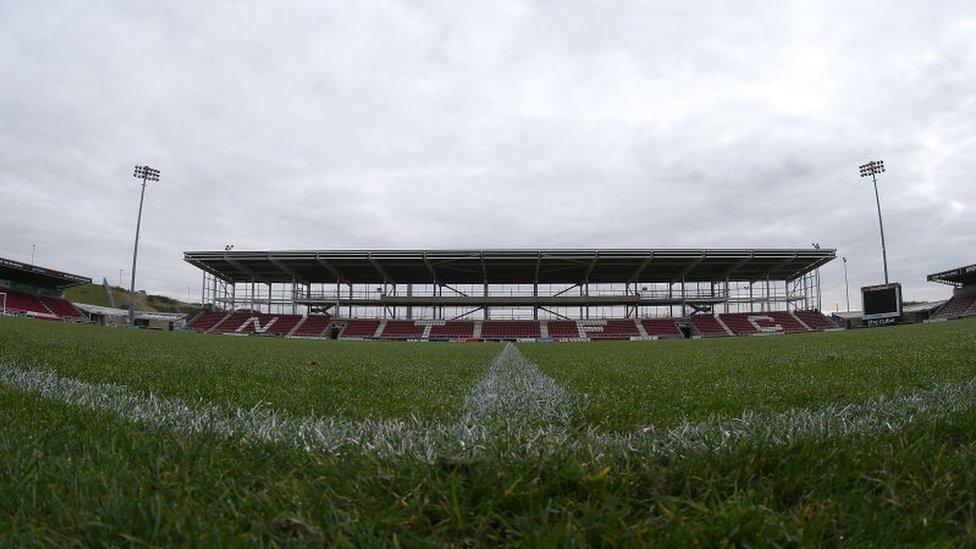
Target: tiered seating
[61,307]
[959,305]
[283,324]
[360,328]
[26,304]
[769,322]
[788,322]
[402,329]
[739,323]
[452,330]
[510,329]
[815,320]
[257,323]
[233,322]
[616,329]
[563,329]
[661,327]
[708,326]
[278,325]
[205,321]
[314,326]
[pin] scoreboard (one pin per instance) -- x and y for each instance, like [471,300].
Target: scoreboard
[882,304]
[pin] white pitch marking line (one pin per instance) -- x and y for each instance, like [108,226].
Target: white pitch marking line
[254,425]
[514,402]
[513,406]
[514,389]
[885,413]
[512,394]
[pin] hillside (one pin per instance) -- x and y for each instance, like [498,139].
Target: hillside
[94,294]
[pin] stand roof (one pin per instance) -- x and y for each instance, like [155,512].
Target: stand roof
[510,266]
[15,271]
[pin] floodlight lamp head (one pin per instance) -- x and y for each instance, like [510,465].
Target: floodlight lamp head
[872,168]
[146,173]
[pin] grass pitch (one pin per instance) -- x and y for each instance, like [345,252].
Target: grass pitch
[857,437]
[352,379]
[630,385]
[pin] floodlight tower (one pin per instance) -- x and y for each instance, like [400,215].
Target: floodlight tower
[873,168]
[145,173]
[847,287]
[816,246]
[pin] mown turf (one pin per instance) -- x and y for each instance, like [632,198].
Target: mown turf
[345,378]
[70,476]
[633,384]
[73,476]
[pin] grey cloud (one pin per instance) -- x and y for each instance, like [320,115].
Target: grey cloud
[301,125]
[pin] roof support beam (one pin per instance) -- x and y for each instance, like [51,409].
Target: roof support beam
[237,265]
[331,268]
[589,269]
[455,290]
[555,313]
[538,266]
[286,269]
[691,266]
[793,275]
[462,315]
[561,292]
[430,269]
[782,264]
[568,259]
[484,267]
[466,255]
[738,265]
[641,268]
[207,269]
[379,268]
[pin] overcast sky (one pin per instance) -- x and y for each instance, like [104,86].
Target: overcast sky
[453,124]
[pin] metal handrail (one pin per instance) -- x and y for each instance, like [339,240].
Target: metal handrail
[652,294]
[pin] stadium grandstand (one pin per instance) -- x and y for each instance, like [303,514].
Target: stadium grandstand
[38,292]
[119,318]
[521,294]
[963,300]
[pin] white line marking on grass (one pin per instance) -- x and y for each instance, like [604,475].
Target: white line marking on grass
[885,413]
[254,425]
[514,402]
[514,411]
[512,395]
[718,434]
[515,390]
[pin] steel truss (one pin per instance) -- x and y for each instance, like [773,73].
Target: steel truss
[513,283]
[512,301]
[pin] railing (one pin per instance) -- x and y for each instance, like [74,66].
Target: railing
[331,297]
